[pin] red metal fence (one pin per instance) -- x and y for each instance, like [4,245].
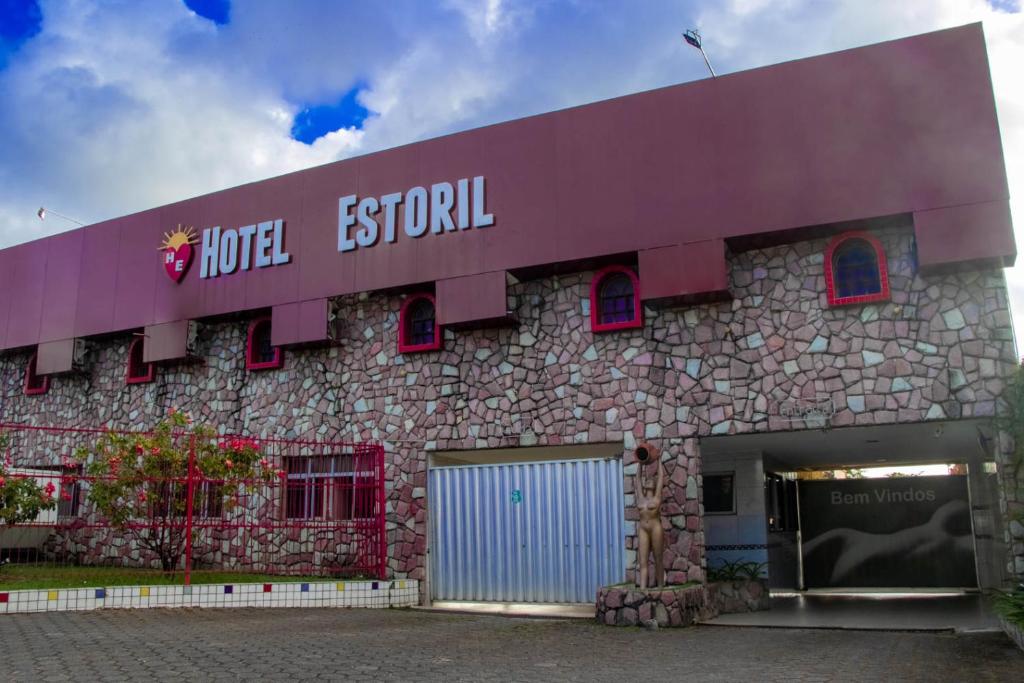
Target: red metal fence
[307,508]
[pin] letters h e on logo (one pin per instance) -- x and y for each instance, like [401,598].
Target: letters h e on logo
[178,252]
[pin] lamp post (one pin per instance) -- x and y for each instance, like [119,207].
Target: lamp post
[43,211]
[692,37]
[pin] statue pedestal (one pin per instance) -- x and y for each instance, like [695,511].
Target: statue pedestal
[671,606]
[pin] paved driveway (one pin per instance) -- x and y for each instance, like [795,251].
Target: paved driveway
[373,645]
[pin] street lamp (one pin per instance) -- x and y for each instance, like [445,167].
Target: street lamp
[43,211]
[692,37]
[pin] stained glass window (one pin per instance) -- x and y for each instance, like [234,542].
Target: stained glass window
[855,269]
[420,322]
[616,299]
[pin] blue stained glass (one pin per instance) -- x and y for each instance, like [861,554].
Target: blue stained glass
[616,295]
[855,270]
[421,322]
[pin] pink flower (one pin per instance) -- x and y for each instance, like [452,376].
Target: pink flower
[263,462]
[282,474]
[49,488]
[2,481]
[65,495]
[139,449]
[173,411]
[142,496]
[228,464]
[154,451]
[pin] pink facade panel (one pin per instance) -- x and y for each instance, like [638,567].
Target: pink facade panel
[471,299]
[950,235]
[817,141]
[55,357]
[27,263]
[60,290]
[300,323]
[167,341]
[684,271]
[94,312]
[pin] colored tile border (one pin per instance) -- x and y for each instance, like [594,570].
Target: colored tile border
[360,594]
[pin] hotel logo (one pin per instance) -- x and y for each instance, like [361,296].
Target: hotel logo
[178,252]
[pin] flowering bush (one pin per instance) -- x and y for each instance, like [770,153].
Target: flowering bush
[141,482]
[22,498]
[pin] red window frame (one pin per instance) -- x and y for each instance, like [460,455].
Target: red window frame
[404,343]
[595,301]
[251,362]
[883,270]
[35,385]
[136,373]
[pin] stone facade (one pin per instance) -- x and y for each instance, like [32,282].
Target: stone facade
[676,606]
[732,597]
[941,348]
[672,606]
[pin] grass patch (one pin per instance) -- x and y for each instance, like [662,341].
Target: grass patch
[41,576]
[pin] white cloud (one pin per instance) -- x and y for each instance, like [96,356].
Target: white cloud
[118,106]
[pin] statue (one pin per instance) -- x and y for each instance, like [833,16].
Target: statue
[648,504]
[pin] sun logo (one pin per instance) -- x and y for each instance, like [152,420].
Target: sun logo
[178,252]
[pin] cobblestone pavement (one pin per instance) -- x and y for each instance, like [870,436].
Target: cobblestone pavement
[376,645]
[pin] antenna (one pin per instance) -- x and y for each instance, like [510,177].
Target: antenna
[692,37]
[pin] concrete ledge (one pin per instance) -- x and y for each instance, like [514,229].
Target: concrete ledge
[514,609]
[1015,632]
[372,594]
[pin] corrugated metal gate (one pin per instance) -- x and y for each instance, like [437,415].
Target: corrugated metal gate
[526,532]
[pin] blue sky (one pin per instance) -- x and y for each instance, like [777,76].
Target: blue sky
[113,106]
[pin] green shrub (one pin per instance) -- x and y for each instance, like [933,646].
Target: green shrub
[727,572]
[1010,605]
[21,496]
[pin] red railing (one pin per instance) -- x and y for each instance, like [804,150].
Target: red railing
[310,508]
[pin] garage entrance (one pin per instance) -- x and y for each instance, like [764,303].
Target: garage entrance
[858,507]
[548,531]
[886,533]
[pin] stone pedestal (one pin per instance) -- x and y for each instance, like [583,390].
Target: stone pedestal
[627,605]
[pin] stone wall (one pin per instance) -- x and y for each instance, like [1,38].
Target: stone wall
[734,597]
[672,606]
[940,349]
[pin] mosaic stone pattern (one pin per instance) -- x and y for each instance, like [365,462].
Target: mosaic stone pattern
[668,607]
[941,348]
[734,597]
[677,606]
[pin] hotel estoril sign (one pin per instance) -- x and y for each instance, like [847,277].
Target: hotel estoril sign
[362,223]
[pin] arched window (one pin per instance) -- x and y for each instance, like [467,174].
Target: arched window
[615,300]
[417,325]
[855,270]
[260,353]
[35,384]
[139,371]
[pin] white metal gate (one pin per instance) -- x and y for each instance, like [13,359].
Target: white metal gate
[526,532]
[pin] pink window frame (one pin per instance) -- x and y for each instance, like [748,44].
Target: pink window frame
[595,301]
[883,270]
[30,372]
[138,379]
[403,327]
[250,349]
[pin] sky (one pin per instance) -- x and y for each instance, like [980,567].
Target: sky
[108,107]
